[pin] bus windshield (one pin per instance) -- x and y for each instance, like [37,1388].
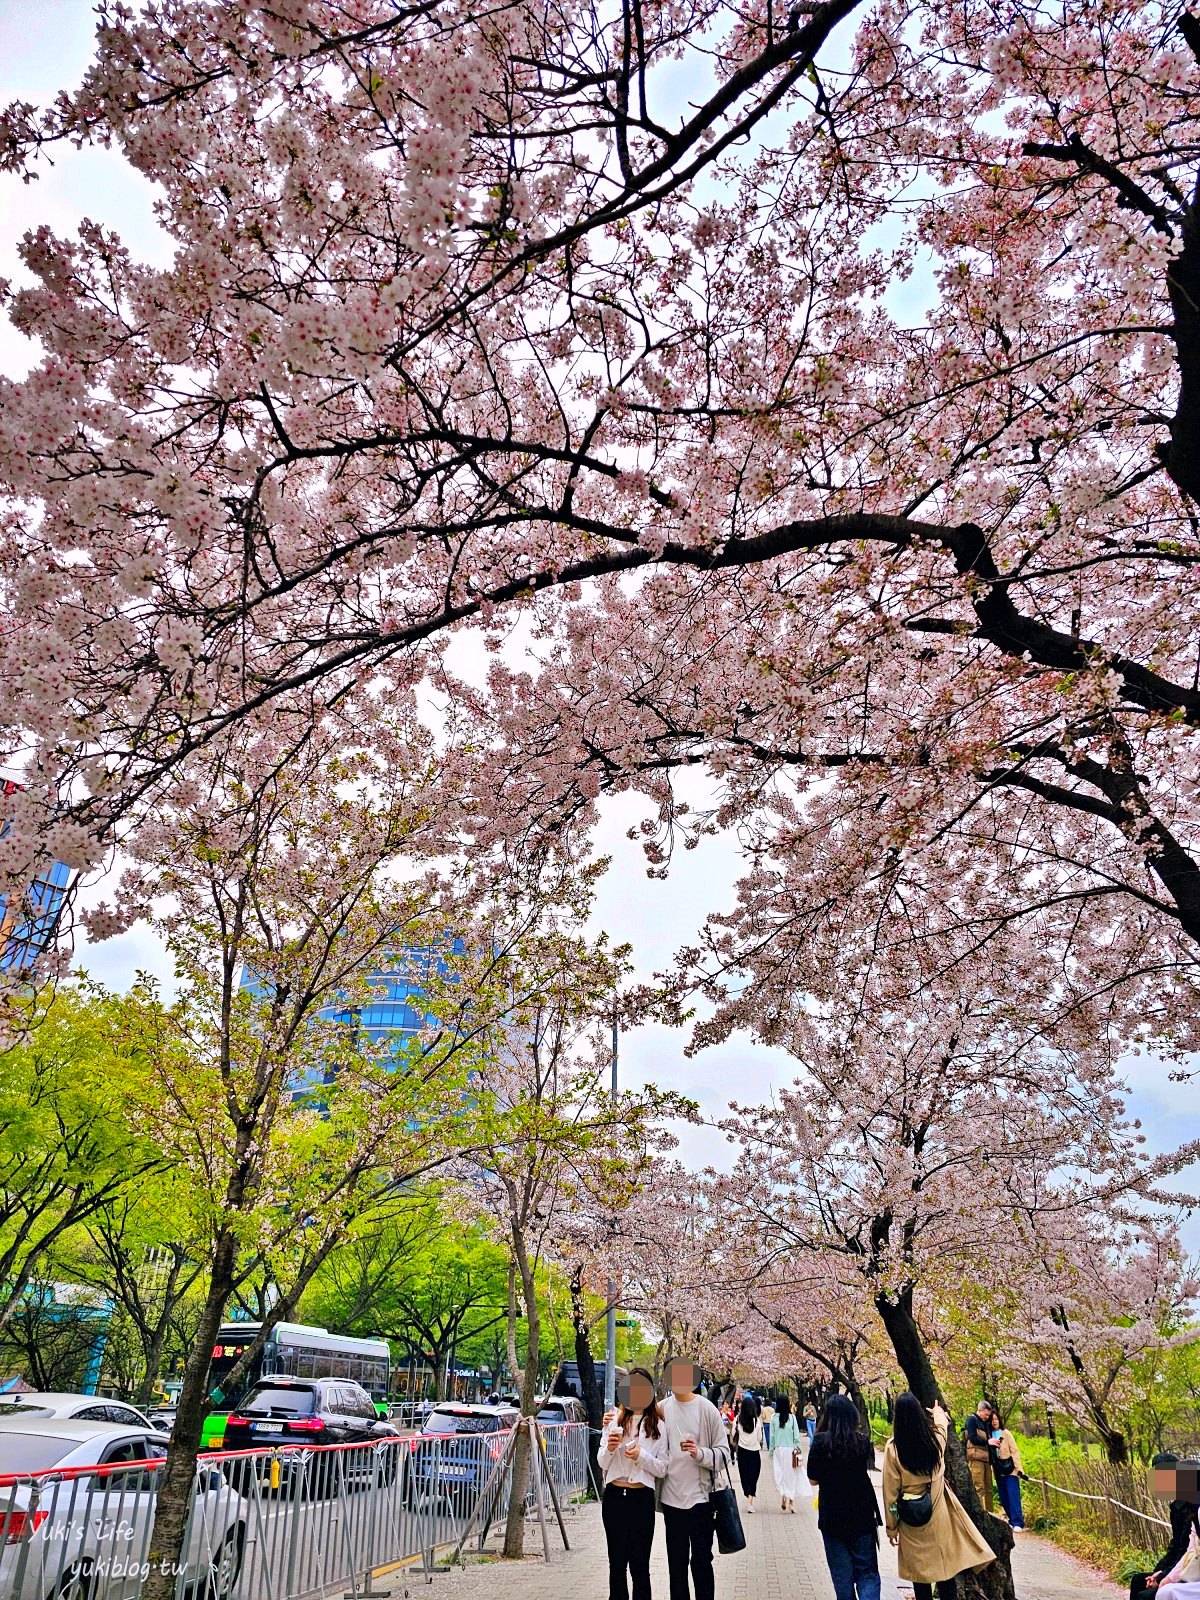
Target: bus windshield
[225,1357]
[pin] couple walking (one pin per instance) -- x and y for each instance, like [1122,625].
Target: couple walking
[669,1451]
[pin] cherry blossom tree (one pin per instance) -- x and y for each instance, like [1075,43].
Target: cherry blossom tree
[290,1126]
[1085,1317]
[551,1141]
[921,1151]
[860,394]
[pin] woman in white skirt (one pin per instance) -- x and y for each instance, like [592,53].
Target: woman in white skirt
[785,1454]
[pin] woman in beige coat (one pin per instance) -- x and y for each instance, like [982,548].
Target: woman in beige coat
[914,1466]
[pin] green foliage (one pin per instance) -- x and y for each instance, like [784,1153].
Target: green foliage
[72,1137]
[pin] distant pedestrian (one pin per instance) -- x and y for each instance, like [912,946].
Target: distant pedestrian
[839,1461]
[768,1417]
[632,1456]
[698,1451]
[785,1454]
[977,1431]
[937,1539]
[749,1441]
[1007,1470]
[810,1420]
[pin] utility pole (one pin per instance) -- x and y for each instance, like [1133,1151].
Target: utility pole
[610,1321]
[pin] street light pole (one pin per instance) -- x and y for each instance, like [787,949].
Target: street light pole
[610,1321]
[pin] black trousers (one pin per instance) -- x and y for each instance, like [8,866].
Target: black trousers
[947,1590]
[1137,1586]
[749,1467]
[690,1544]
[628,1517]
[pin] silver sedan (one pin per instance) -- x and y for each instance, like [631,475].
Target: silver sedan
[77,1510]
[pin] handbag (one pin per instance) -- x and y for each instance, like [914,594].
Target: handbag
[795,1460]
[915,1509]
[727,1519]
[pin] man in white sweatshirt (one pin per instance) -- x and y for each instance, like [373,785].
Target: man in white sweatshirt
[698,1451]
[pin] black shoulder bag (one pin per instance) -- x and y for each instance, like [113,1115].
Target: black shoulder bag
[727,1519]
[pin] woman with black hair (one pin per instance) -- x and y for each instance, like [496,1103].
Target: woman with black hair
[937,1539]
[632,1456]
[748,1437]
[785,1454]
[839,1460]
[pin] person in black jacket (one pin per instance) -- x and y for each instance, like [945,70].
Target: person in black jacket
[1183,1515]
[839,1460]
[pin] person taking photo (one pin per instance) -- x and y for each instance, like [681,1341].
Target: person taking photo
[936,1539]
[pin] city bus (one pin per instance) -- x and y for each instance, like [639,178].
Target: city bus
[298,1351]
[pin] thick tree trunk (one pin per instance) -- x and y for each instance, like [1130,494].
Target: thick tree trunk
[994,1582]
[514,1528]
[176,1479]
[1116,1447]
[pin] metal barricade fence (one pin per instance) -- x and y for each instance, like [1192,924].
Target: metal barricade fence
[409,1413]
[275,1524]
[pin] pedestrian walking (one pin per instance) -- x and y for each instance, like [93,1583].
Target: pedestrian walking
[937,1539]
[1007,1471]
[768,1417]
[631,1458]
[977,1431]
[785,1454]
[810,1420]
[749,1442]
[839,1462]
[697,1451]
[1184,1517]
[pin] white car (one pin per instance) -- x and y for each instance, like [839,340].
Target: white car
[76,1407]
[77,1510]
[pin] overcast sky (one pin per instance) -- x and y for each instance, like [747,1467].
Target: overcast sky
[45,46]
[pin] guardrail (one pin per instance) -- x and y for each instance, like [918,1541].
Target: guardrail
[272,1524]
[1112,1516]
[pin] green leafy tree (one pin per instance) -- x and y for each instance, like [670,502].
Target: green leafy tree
[70,1146]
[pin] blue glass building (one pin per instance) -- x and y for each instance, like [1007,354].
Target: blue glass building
[396,1009]
[28,927]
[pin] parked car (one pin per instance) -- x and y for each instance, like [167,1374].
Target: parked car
[303,1412]
[449,1459]
[162,1418]
[557,1408]
[75,1407]
[85,1535]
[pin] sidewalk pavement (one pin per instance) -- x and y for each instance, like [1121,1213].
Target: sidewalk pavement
[784,1560]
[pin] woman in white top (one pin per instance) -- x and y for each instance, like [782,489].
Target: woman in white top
[633,1453]
[785,1454]
[1183,1580]
[748,1437]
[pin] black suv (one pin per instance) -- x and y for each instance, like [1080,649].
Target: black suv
[292,1412]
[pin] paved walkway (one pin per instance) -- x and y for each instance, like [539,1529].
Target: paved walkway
[784,1560]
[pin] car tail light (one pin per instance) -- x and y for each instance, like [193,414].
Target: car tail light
[309,1424]
[237,1422]
[18,1525]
